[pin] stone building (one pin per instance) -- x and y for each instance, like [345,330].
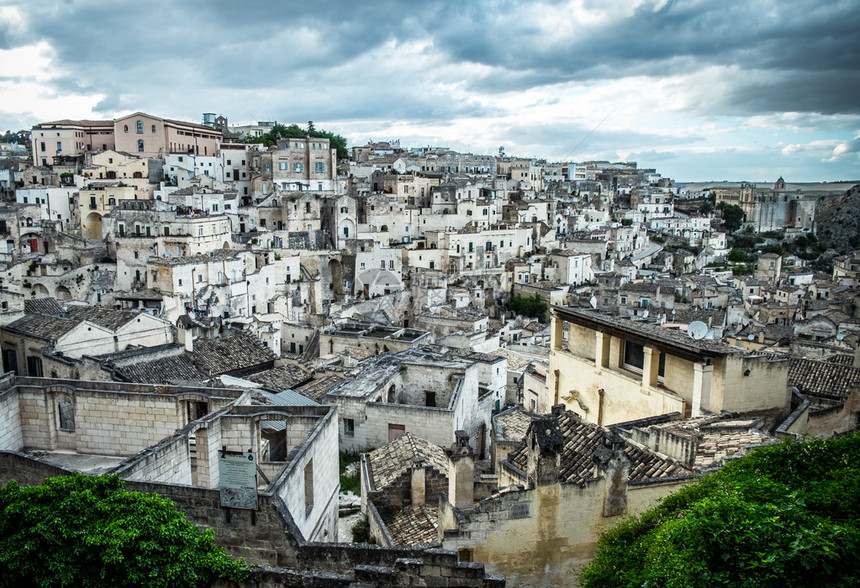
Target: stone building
[423,391]
[611,370]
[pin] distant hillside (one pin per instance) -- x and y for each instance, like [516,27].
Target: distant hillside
[838,222]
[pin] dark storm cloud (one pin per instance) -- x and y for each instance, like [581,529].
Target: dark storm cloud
[794,55]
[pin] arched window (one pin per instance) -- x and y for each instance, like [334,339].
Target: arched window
[125,128]
[140,144]
[153,128]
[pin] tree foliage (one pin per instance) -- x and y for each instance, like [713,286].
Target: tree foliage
[279,132]
[530,306]
[785,516]
[733,216]
[20,137]
[89,531]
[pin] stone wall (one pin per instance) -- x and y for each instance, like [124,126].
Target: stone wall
[542,536]
[168,463]
[10,422]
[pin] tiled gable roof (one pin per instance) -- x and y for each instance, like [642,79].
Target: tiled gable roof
[414,525]
[823,378]
[282,378]
[514,423]
[315,389]
[583,440]
[104,317]
[42,326]
[165,370]
[390,461]
[44,306]
[221,356]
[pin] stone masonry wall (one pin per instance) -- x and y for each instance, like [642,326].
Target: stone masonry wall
[10,422]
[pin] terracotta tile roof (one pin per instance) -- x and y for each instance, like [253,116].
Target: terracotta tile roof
[42,326]
[44,306]
[582,440]
[390,461]
[165,370]
[104,317]
[282,378]
[823,378]
[221,356]
[514,423]
[315,389]
[414,525]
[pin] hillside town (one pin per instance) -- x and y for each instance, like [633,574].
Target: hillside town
[438,364]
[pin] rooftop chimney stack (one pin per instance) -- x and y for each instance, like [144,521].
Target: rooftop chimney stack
[461,472]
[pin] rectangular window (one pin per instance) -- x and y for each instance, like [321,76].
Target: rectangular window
[349,427]
[34,367]
[59,146]
[309,487]
[66,412]
[430,399]
[297,166]
[320,167]
[634,356]
[284,165]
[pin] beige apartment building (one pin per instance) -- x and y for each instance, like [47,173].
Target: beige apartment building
[610,370]
[69,137]
[146,135]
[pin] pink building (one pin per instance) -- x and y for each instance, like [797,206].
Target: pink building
[150,136]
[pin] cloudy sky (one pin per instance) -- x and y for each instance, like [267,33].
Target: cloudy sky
[701,90]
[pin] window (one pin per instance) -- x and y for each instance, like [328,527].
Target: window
[153,128]
[140,126]
[66,412]
[309,487]
[42,146]
[283,165]
[34,367]
[634,356]
[125,128]
[140,144]
[391,264]
[349,427]
[297,166]
[430,399]
[59,146]
[320,167]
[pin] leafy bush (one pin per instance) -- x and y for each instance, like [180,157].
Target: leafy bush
[785,515]
[530,306]
[89,531]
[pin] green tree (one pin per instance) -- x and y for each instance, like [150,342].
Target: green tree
[784,515]
[89,531]
[733,216]
[530,306]
[279,132]
[737,255]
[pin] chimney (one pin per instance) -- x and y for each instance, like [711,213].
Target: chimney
[461,472]
[545,446]
[185,334]
[856,357]
[611,460]
[418,481]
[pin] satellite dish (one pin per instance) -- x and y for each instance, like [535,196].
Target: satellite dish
[839,336]
[593,302]
[645,314]
[750,337]
[697,330]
